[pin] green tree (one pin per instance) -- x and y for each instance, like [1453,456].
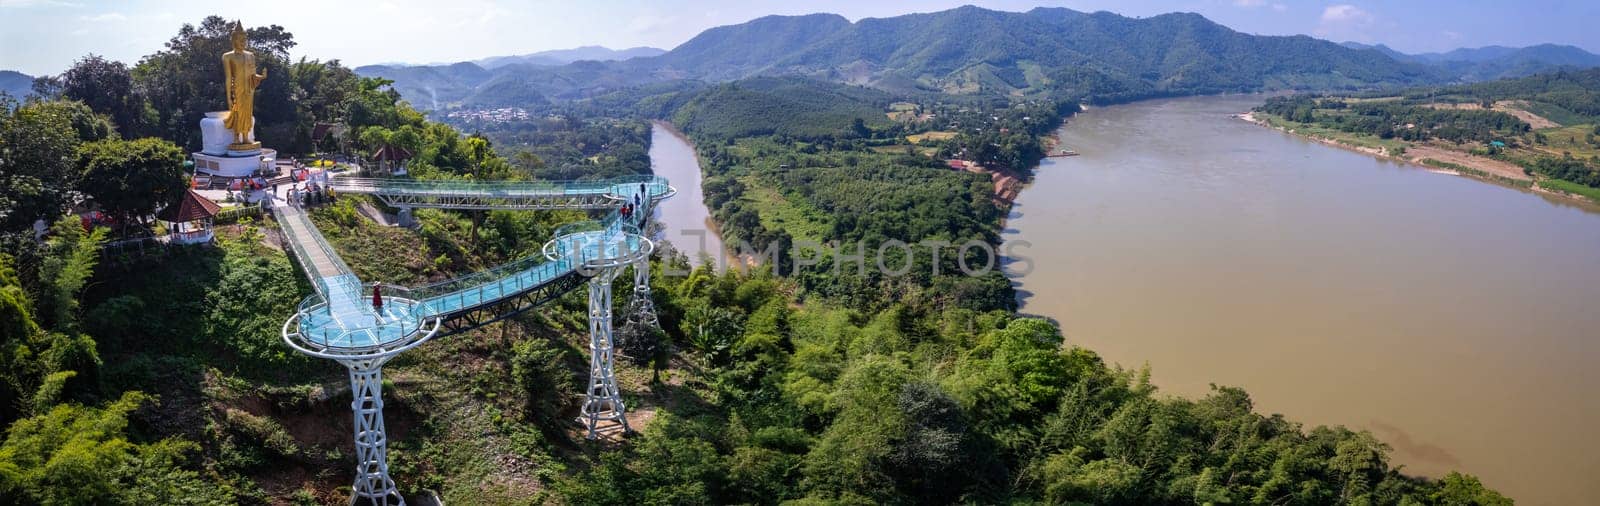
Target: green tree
[132,179]
[17,332]
[1465,490]
[478,152]
[72,455]
[538,368]
[852,455]
[70,257]
[106,87]
[711,330]
[38,158]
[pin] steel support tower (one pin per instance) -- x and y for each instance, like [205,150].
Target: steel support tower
[602,401]
[640,322]
[402,326]
[372,482]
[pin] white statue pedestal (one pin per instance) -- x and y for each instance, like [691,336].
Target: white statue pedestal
[216,159]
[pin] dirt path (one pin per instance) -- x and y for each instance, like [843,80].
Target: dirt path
[1418,152]
[1516,108]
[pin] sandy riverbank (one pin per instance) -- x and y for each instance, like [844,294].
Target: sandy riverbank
[1006,185]
[1489,169]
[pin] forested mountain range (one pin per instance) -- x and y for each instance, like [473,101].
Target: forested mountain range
[1045,52]
[1495,62]
[15,83]
[565,56]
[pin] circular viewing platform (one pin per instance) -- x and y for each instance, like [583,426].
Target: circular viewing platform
[655,187]
[593,245]
[343,324]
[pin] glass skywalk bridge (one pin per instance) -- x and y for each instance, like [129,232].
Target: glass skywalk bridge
[533,195]
[341,322]
[340,314]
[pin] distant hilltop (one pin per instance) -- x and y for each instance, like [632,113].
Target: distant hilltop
[1494,62]
[565,56]
[1049,53]
[552,57]
[1045,52]
[16,84]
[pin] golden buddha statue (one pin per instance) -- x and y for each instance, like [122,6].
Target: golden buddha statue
[239,66]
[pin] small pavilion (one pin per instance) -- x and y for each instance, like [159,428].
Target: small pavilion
[392,158]
[190,217]
[323,131]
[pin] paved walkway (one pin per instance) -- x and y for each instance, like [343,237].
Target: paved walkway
[298,231]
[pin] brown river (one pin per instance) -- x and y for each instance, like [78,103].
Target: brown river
[688,225]
[1455,319]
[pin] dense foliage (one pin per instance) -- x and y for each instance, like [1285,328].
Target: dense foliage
[808,110]
[1388,119]
[828,404]
[1576,91]
[38,158]
[62,446]
[1569,169]
[1008,136]
[570,147]
[773,196]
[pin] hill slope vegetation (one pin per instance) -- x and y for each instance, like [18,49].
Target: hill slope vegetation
[1055,52]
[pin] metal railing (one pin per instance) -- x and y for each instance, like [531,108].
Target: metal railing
[655,185]
[297,229]
[233,214]
[587,244]
[487,287]
[320,325]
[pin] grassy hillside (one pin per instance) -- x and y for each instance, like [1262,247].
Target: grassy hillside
[806,108]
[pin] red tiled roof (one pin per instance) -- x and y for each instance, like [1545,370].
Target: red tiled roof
[190,207]
[392,153]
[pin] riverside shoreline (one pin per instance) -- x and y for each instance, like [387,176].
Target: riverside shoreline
[1482,169]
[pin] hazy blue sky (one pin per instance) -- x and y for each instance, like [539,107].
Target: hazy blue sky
[44,36]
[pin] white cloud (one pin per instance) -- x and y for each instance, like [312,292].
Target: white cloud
[1346,22]
[1345,13]
[1280,7]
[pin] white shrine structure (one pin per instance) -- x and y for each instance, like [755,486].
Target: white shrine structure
[217,160]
